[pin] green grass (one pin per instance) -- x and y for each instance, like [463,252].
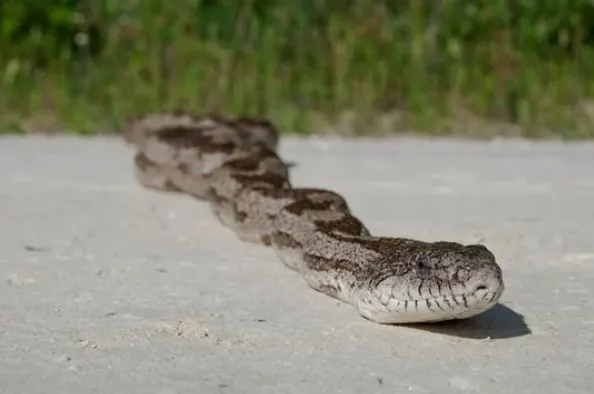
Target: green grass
[355,67]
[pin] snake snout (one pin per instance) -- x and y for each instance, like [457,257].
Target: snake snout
[487,280]
[482,290]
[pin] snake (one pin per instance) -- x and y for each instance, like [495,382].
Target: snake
[231,163]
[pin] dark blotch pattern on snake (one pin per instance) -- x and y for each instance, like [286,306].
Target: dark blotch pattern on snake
[232,164]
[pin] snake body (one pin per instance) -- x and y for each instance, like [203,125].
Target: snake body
[232,163]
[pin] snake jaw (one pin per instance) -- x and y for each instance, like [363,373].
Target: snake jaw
[401,300]
[433,309]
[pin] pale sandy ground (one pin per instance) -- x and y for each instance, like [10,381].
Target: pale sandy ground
[109,288]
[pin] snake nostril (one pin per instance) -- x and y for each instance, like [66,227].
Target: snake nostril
[480,287]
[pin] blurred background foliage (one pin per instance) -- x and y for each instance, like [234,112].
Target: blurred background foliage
[477,68]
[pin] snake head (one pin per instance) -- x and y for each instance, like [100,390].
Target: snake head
[427,282]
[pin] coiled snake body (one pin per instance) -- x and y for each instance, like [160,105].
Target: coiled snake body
[231,163]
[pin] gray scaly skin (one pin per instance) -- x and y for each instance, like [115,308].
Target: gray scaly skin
[232,163]
[388,280]
[263,170]
[188,147]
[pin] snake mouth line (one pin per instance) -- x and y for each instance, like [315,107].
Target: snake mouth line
[479,298]
[431,309]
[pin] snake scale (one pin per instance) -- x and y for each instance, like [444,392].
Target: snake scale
[232,164]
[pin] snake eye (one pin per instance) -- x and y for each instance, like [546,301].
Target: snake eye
[422,268]
[422,264]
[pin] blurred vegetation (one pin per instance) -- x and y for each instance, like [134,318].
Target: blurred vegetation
[471,67]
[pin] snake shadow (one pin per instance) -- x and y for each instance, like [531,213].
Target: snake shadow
[499,322]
